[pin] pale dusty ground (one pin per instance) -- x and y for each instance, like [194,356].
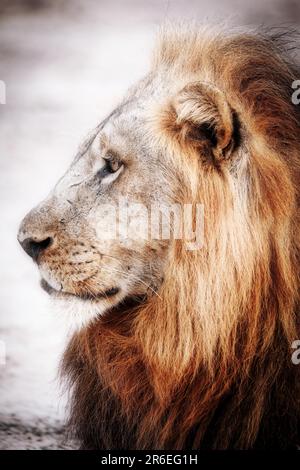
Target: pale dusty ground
[64,68]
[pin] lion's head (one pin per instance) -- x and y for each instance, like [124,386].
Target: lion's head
[70,235]
[212,124]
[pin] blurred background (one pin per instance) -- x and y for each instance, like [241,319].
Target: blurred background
[65,64]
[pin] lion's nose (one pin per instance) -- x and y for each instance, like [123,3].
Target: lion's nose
[35,247]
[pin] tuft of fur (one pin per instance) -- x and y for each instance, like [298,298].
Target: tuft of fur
[207,364]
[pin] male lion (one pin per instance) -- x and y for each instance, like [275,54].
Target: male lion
[184,348]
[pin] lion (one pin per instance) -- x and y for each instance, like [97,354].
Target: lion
[181,348]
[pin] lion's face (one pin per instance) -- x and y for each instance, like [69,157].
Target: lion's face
[71,235]
[151,152]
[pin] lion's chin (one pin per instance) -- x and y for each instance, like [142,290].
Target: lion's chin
[77,311]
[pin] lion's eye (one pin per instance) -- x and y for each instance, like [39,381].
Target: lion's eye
[111,165]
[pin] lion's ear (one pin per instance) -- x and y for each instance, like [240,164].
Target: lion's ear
[200,116]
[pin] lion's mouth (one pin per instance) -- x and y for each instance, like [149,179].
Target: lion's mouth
[83,295]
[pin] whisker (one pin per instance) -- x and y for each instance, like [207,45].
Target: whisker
[87,285]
